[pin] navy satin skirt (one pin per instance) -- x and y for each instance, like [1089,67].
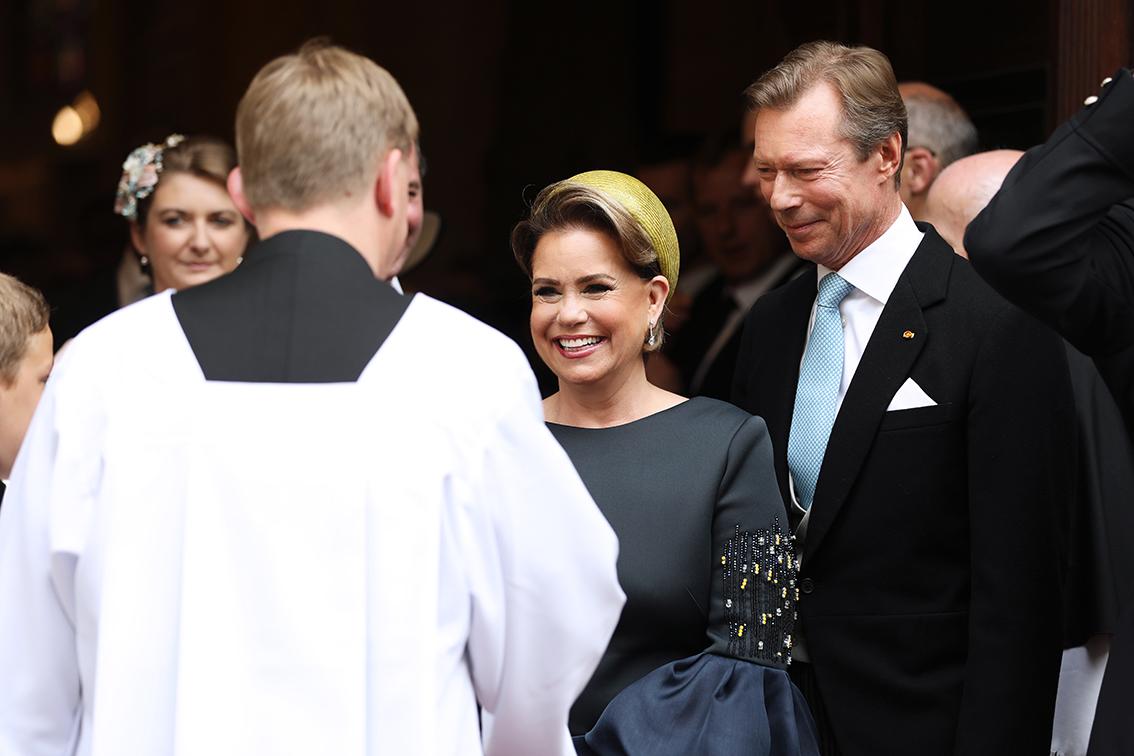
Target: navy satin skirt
[705,705]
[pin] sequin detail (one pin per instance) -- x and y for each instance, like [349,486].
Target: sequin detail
[760,614]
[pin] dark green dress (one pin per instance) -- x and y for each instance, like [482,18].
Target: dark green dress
[704,555]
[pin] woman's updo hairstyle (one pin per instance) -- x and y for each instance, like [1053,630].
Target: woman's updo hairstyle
[610,203]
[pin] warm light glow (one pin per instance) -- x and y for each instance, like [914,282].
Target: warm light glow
[77,120]
[67,128]
[87,108]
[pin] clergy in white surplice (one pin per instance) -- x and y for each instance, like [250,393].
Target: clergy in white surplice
[292,511]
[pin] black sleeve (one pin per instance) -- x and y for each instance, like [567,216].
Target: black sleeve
[1020,419]
[1058,238]
[753,596]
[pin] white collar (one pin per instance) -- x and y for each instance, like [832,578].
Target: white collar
[875,270]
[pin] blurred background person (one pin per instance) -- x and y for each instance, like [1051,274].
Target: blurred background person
[667,169]
[687,485]
[750,256]
[962,190]
[668,172]
[423,226]
[184,228]
[939,133]
[26,357]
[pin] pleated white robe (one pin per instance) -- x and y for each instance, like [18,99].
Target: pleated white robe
[221,568]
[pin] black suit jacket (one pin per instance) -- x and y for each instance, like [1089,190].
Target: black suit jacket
[1058,239]
[930,588]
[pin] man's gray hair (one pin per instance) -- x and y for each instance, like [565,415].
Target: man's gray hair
[938,123]
[862,77]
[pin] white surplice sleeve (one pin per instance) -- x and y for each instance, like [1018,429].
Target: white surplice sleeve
[41,533]
[539,626]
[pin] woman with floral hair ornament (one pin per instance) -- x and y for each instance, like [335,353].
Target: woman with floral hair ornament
[698,661]
[184,227]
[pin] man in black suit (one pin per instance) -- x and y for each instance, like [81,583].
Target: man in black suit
[1058,239]
[921,427]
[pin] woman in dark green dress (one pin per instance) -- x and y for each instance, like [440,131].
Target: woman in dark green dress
[698,661]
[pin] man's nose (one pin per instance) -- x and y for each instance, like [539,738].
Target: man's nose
[781,194]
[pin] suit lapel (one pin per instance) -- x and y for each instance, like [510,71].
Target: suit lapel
[886,364]
[784,346]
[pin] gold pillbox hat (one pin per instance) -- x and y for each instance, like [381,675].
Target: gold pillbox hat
[647,211]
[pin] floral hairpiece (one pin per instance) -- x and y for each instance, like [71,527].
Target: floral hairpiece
[140,175]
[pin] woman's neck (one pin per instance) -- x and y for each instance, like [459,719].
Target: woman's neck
[607,403]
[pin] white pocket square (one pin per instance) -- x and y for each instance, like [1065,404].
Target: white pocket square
[910,396]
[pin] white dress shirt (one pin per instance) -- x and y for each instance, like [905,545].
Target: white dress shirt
[873,273]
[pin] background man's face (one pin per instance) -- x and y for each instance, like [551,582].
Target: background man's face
[415,208]
[672,182]
[748,142]
[827,200]
[737,230]
[408,210]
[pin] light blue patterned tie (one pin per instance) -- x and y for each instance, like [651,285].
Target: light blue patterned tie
[817,393]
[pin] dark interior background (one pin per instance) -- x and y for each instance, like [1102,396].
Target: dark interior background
[511,95]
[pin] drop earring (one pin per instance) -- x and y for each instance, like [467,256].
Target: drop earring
[651,339]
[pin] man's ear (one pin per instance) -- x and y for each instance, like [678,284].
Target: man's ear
[387,181]
[921,169]
[890,156]
[235,185]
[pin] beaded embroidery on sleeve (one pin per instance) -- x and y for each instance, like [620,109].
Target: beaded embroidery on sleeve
[759,570]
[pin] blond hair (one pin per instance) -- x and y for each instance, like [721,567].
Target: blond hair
[313,125]
[23,313]
[567,205]
[864,80]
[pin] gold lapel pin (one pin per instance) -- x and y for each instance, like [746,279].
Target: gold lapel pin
[908,334]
